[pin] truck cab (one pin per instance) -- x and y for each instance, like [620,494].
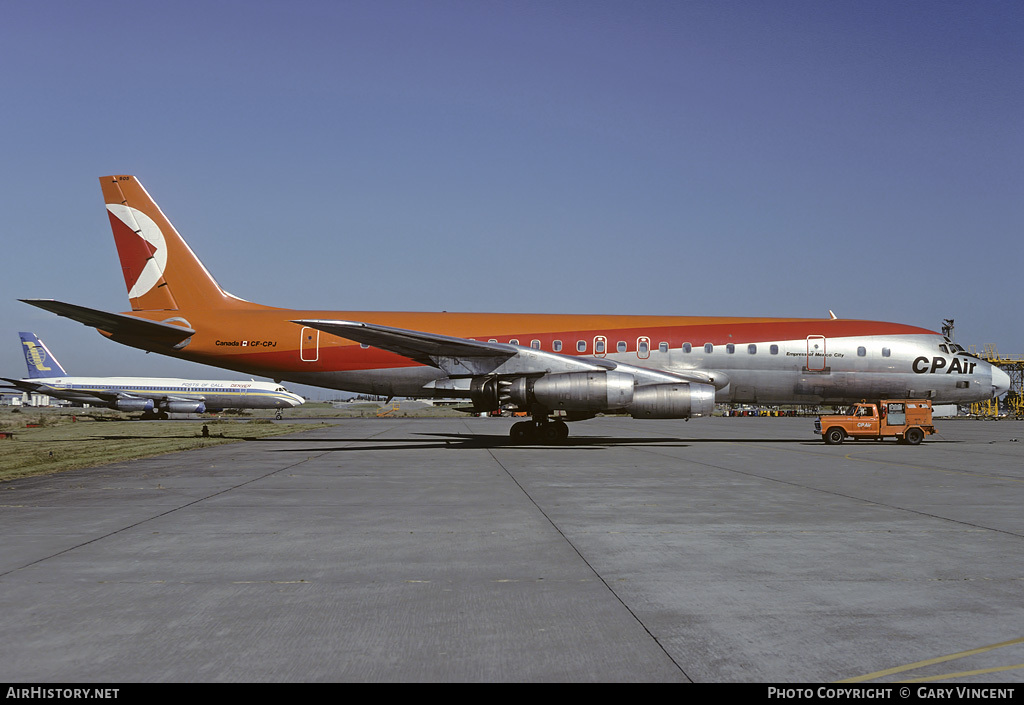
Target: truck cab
[907,420]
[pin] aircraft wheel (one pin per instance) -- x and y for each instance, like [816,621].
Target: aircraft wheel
[551,433]
[914,436]
[521,432]
[834,436]
[563,429]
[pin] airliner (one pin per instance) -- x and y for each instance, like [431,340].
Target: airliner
[156,397]
[557,368]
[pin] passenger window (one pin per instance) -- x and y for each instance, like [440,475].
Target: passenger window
[662,347]
[513,341]
[557,346]
[708,348]
[535,344]
[774,349]
[752,349]
[621,346]
[687,347]
[730,348]
[599,346]
[885,352]
[581,346]
[643,347]
[862,351]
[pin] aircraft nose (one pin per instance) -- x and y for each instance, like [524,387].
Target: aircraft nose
[1000,382]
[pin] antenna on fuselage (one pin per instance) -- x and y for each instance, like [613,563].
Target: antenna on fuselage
[947,328]
[833,316]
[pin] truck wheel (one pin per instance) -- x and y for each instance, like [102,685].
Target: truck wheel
[834,436]
[914,436]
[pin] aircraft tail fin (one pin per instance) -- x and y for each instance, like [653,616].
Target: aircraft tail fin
[40,361]
[160,270]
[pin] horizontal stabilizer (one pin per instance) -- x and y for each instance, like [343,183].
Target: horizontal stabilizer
[23,385]
[117,324]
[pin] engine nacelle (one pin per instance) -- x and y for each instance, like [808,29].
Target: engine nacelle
[574,391]
[134,404]
[483,391]
[595,391]
[184,407]
[672,401]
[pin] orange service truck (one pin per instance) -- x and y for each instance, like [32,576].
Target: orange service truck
[908,420]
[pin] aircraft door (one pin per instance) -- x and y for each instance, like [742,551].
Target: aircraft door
[600,346]
[309,345]
[816,352]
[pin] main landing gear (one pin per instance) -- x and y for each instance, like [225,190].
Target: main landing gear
[541,430]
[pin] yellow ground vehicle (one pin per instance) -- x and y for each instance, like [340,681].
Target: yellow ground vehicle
[908,420]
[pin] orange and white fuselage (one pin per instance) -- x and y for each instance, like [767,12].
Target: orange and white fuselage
[573,362]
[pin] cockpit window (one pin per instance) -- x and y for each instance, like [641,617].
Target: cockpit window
[954,349]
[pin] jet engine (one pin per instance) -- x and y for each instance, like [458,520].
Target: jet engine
[573,391]
[134,404]
[672,401]
[484,393]
[596,391]
[184,407]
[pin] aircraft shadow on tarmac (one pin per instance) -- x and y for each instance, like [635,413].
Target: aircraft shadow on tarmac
[452,440]
[439,440]
[466,441]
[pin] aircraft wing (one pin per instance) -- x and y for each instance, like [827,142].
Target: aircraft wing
[458,357]
[415,345]
[117,324]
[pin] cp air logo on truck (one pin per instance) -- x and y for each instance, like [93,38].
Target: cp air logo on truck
[923,364]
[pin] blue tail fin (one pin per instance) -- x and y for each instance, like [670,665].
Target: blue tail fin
[40,361]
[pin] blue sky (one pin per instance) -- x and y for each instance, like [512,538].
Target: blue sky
[709,158]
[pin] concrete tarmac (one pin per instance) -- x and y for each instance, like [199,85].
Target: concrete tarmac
[719,550]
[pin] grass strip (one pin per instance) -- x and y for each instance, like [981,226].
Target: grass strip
[59,444]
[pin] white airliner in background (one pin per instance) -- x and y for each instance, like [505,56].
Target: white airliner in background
[154,396]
